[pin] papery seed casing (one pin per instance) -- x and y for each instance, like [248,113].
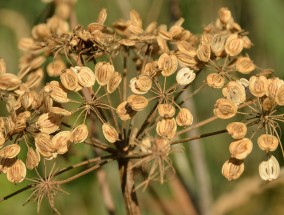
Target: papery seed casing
[240,149]
[267,142]
[17,172]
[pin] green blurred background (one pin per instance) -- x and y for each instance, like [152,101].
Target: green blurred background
[200,164]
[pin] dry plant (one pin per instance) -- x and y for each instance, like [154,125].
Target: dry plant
[117,90]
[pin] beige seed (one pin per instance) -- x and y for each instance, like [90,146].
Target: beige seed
[10,151]
[225,15]
[218,43]
[273,85]
[258,86]
[145,145]
[80,133]
[168,64]
[237,130]
[186,48]
[137,102]
[124,111]
[61,141]
[232,169]
[215,80]
[234,45]
[102,16]
[69,79]
[110,133]
[267,104]
[17,172]
[267,142]
[279,98]
[2,139]
[166,128]
[59,111]
[44,146]
[33,158]
[9,81]
[141,84]
[56,92]
[225,108]
[166,110]
[184,117]
[186,60]
[113,82]
[269,169]
[204,52]
[235,92]
[103,72]
[86,77]
[185,76]
[240,149]
[245,65]
[55,68]
[48,123]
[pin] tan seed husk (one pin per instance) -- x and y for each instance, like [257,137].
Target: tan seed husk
[225,108]
[69,79]
[232,169]
[86,77]
[267,142]
[184,117]
[10,151]
[17,172]
[166,128]
[33,158]
[237,130]
[269,169]
[110,133]
[166,110]
[240,149]
[80,133]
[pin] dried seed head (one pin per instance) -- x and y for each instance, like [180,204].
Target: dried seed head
[258,86]
[69,79]
[56,92]
[237,130]
[33,158]
[113,82]
[110,133]
[218,43]
[162,145]
[141,84]
[80,133]
[166,128]
[185,76]
[184,117]
[225,108]
[225,15]
[48,123]
[59,111]
[267,142]
[44,146]
[245,65]
[235,92]
[270,169]
[215,80]
[9,81]
[55,68]
[234,45]
[61,141]
[204,52]
[10,151]
[137,102]
[166,110]
[240,149]
[279,98]
[168,64]
[124,111]
[86,77]
[103,72]
[17,172]
[233,169]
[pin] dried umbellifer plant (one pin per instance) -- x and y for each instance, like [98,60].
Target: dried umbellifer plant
[112,90]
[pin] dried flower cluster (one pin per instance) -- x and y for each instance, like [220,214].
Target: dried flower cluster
[117,89]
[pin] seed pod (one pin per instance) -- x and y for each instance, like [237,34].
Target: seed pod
[103,72]
[279,98]
[145,145]
[186,60]
[33,158]
[86,77]
[270,169]
[184,117]
[186,48]
[110,133]
[63,10]
[235,92]
[234,45]
[61,141]
[102,16]
[57,25]
[135,29]
[168,64]
[218,43]
[247,42]
[162,145]
[245,65]
[10,151]
[80,133]
[9,81]
[237,130]
[27,99]
[56,92]
[17,172]
[267,142]
[69,79]
[59,111]
[215,80]
[258,86]
[204,52]
[185,76]
[37,62]
[151,69]
[162,44]
[113,82]
[225,108]
[166,128]
[240,149]
[225,15]
[141,84]
[44,146]
[135,18]
[166,110]
[21,121]
[124,111]
[55,68]
[233,169]
[273,85]
[267,104]
[137,102]
[2,139]
[48,123]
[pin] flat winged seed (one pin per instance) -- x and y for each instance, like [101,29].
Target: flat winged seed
[110,133]
[258,86]
[9,81]
[218,43]
[55,68]
[234,45]
[270,169]
[86,77]
[102,16]
[215,80]
[185,76]
[2,138]
[235,92]
[204,52]
[273,84]
[124,111]
[17,172]
[237,130]
[44,146]
[48,123]
[59,111]
[245,65]
[184,117]
[33,158]
[168,64]
[240,149]
[137,102]
[232,169]
[69,79]
[267,142]
[61,141]
[56,92]
[186,48]
[279,98]
[80,133]
[103,72]
[225,15]
[113,82]
[225,108]
[166,128]
[166,110]
[10,151]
